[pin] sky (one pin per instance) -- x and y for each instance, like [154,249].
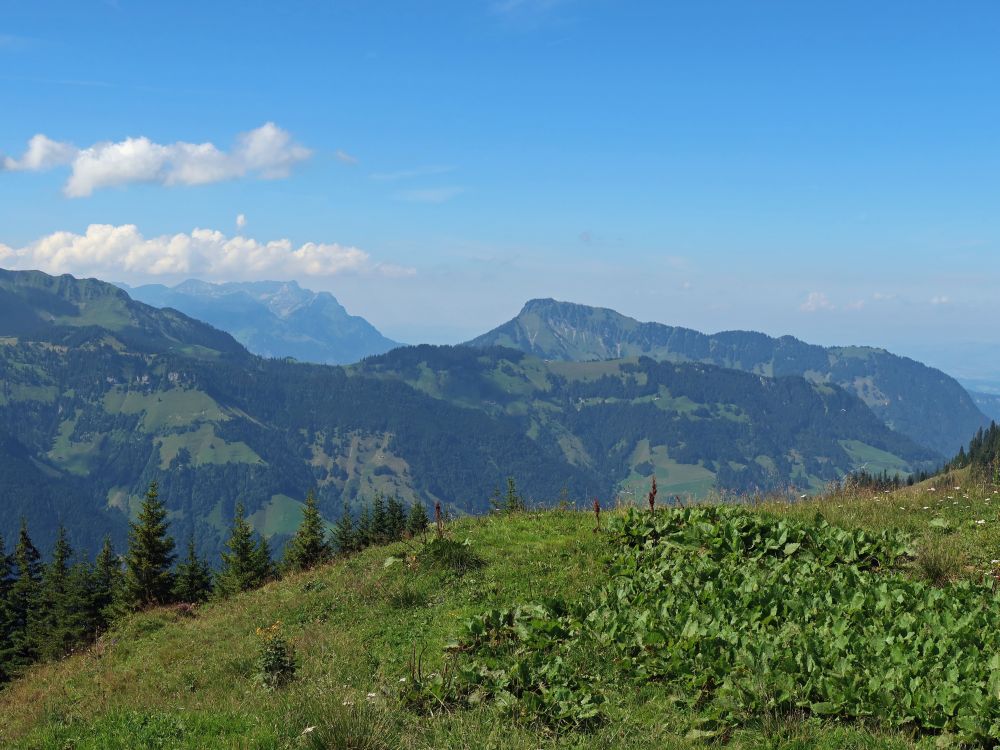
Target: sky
[822,169]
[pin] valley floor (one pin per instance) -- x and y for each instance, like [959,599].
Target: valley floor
[166,679]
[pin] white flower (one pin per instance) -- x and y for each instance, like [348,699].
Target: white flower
[980,522]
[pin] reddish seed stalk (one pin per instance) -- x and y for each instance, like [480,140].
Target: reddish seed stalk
[597,514]
[651,498]
[439,519]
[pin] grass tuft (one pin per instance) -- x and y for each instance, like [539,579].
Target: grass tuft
[448,555]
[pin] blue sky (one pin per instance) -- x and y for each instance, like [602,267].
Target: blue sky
[825,169]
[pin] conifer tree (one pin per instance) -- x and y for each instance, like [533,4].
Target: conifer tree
[418,520]
[248,564]
[61,612]
[380,529]
[6,618]
[265,561]
[364,535]
[106,586]
[23,601]
[344,534]
[193,581]
[513,502]
[395,514]
[310,546]
[148,579]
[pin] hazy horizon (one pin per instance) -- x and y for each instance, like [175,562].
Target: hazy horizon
[823,172]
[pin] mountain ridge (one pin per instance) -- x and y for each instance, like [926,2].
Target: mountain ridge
[919,401]
[130,394]
[273,318]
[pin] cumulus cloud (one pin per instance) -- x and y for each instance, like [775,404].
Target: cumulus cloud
[267,152]
[42,153]
[815,302]
[241,221]
[122,252]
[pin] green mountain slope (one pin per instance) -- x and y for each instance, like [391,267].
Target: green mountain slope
[694,426]
[274,318]
[99,395]
[365,626]
[923,403]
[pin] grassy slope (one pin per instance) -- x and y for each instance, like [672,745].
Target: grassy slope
[165,680]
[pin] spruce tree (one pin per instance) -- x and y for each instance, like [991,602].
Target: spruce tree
[364,535]
[23,602]
[380,529]
[418,520]
[513,502]
[193,581]
[344,535]
[61,610]
[6,618]
[148,579]
[309,547]
[248,564]
[106,586]
[395,513]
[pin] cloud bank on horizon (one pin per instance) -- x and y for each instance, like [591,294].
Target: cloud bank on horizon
[267,152]
[122,252]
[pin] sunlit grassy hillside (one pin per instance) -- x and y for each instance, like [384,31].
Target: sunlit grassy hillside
[363,628]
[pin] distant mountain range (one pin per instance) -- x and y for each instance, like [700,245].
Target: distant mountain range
[923,403]
[988,403]
[273,318]
[100,394]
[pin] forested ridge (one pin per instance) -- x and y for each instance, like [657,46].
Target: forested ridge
[100,395]
[919,401]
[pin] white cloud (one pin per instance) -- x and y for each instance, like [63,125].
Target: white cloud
[345,158]
[815,302]
[42,153]
[430,195]
[267,152]
[122,252]
[940,300]
[241,221]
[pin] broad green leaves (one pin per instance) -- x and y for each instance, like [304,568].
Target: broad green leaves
[742,614]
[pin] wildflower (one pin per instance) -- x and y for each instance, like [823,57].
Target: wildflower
[980,522]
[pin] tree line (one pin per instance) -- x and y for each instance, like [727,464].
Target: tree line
[983,454]
[48,610]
